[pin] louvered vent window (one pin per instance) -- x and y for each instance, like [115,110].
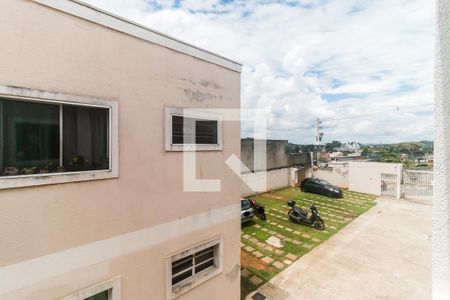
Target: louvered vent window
[191,267]
[187,130]
[193,264]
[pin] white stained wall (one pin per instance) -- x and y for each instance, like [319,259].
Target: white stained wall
[274,179]
[365,177]
[441,192]
[59,239]
[337,174]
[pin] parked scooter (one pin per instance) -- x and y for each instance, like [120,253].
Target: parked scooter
[298,215]
[259,209]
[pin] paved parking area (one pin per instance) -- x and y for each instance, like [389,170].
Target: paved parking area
[383,254]
[270,246]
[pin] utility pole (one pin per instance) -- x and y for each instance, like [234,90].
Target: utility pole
[319,134]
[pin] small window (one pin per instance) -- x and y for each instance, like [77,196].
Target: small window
[41,138]
[108,290]
[200,129]
[197,131]
[192,267]
[105,295]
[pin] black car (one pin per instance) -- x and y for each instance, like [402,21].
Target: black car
[321,187]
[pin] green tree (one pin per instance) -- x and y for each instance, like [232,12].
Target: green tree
[332,146]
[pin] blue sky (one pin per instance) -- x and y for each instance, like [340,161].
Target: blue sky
[364,67]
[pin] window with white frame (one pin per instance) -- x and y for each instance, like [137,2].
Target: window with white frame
[41,138]
[192,127]
[108,290]
[192,267]
[51,137]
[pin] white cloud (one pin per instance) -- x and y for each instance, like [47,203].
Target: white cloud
[366,57]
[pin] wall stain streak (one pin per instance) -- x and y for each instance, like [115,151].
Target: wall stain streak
[234,273]
[199,96]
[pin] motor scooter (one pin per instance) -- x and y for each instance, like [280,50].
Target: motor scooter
[298,215]
[259,209]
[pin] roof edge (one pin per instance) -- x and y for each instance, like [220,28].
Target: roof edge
[101,17]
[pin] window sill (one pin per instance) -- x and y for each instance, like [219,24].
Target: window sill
[10,182]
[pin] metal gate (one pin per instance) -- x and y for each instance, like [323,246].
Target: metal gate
[417,183]
[388,185]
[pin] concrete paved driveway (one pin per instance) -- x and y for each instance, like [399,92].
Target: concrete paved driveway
[383,254]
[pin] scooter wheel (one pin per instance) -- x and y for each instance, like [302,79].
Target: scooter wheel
[319,225]
[263,216]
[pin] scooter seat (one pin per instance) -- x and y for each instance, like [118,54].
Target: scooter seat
[300,211]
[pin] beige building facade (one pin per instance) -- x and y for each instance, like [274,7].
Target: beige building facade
[92,201]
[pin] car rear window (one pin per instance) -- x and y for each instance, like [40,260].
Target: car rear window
[245,204]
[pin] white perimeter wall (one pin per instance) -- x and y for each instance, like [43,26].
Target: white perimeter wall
[275,179]
[365,177]
[337,176]
[441,192]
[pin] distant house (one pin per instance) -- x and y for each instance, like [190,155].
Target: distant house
[341,157]
[92,111]
[349,147]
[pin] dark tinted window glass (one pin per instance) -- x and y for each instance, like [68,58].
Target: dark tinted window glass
[182,264]
[99,296]
[85,143]
[205,130]
[29,137]
[204,255]
[182,277]
[177,130]
[245,204]
[204,266]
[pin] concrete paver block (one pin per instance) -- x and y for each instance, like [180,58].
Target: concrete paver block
[256,280]
[249,249]
[260,244]
[269,248]
[278,265]
[308,246]
[267,259]
[291,256]
[258,254]
[245,273]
